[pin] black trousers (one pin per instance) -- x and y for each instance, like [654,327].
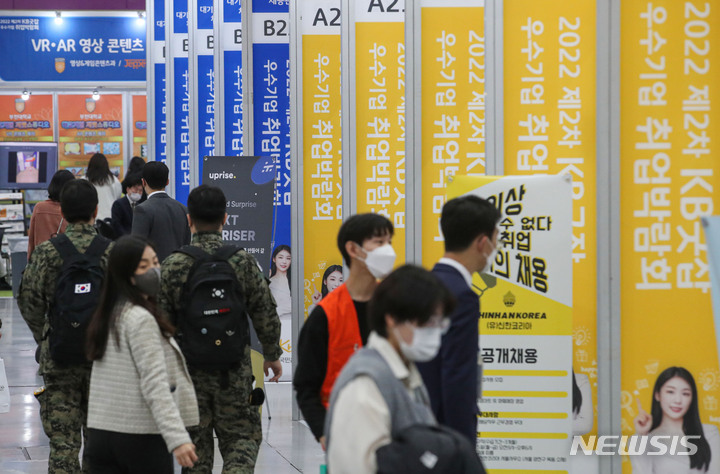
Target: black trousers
[109,452]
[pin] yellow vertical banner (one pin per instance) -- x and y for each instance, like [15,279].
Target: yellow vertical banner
[321,99]
[670,173]
[380,112]
[453,106]
[526,325]
[550,121]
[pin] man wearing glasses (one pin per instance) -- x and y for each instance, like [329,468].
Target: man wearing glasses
[469,226]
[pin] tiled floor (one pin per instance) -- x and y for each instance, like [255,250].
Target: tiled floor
[288,446]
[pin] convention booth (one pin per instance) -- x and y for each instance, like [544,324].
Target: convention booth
[71,84]
[589,124]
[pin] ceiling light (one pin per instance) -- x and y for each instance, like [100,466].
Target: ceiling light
[58,18]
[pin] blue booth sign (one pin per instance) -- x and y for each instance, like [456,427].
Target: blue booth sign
[205,81]
[159,95]
[271,108]
[233,76]
[181,96]
[80,49]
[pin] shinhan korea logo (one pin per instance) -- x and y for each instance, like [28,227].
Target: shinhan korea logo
[656,445]
[82,288]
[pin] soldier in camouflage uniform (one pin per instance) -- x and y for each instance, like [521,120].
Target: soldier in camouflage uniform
[224,404]
[63,403]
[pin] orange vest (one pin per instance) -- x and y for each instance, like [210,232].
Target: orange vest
[343,336]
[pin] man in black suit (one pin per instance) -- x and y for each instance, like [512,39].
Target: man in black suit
[469,226]
[122,208]
[161,219]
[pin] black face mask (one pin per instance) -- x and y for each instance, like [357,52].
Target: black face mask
[149,282]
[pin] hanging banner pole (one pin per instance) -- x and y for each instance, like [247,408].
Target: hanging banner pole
[378,67]
[178,99]
[270,37]
[229,80]
[202,86]
[156,93]
[452,124]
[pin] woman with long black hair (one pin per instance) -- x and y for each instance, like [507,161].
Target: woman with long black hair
[106,184]
[141,395]
[675,413]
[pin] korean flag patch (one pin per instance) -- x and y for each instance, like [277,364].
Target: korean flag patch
[82,288]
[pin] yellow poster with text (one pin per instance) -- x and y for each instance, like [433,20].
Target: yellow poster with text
[670,174]
[550,122]
[526,325]
[380,113]
[453,106]
[322,129]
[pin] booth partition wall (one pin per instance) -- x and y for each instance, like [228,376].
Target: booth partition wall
[589,124]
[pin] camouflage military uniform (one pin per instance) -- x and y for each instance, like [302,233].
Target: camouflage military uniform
[63,404]
[226,410]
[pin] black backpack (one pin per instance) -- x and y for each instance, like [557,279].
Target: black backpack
[212,323]
[77,294]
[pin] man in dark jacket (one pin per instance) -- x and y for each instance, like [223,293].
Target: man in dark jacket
[469,225]
[161,219]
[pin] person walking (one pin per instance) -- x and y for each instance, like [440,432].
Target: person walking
[469,226]
[130,341]
[161,219]
[106,184]
[57,320]
[209,290]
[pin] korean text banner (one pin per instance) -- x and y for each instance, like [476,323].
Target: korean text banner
[271,107]
[139,126]
[89,126]
[180,82]
[35,48]
[380,112]
[26,120]
[526,324]
[322,180]
[204,80]
[669,179]
[712,236]
[157,90]
[230,44]
[453,106]
[549,123]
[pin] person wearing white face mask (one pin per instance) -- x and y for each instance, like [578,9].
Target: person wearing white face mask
[379,392]
[338,326]
[123,208]
[469,226]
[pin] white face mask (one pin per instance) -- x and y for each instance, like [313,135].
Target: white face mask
[490,260]
[380,260]
[134,197]
[425,344]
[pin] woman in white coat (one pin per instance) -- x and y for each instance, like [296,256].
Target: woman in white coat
[141,395]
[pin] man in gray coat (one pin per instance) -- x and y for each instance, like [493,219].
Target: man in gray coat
[161,219]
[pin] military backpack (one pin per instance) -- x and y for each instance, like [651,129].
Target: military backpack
[212,323]
[77,294]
